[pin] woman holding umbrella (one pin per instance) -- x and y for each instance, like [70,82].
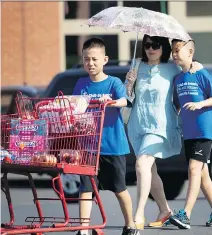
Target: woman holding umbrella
[153,123]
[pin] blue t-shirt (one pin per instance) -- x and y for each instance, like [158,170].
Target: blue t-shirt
[194,88]
[114,141]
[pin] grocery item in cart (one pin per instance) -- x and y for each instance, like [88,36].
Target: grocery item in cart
[43,159]
[4,154]
[26,138]
[70,156]
[78,103]
[62,110]
[86,123]
[30,127]
[27,143]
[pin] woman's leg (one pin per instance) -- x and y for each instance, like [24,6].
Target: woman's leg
[144,177]
[158,194]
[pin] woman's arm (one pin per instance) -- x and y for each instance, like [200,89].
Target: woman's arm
[130,81]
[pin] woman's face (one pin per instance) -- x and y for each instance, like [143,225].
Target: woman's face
[153,50]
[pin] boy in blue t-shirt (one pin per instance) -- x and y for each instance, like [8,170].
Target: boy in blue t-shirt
[114,144]
[193,96]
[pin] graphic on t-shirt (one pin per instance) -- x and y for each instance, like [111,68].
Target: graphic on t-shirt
[187,88]
[94,96]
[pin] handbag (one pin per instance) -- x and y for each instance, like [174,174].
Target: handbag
[126,111]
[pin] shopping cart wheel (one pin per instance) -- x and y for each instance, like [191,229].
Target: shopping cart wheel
[37,233]
[97,232]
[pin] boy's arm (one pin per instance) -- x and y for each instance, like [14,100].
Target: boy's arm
[207,88]
[122,102]
[198,105]
[120,95]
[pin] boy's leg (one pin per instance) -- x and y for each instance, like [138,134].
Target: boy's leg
[112,177]
[85,205]
[125,203]
[85,210]
[199,150]
[197,153]
[194,177]
[209,222]
[206,184]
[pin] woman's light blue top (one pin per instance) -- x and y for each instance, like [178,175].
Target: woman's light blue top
[153,110]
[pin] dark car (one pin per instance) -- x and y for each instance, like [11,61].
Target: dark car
[173,171]
[9,93]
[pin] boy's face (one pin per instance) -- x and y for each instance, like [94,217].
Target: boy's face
[180,53]
[93,60]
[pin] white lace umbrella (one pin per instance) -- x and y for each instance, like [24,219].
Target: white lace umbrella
[132,19]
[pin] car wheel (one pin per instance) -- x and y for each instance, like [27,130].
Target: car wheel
[71,185]
[172,183]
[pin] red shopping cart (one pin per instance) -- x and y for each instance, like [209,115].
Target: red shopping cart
[46,136]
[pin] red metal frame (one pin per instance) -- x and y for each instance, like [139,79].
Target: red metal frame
[84,141]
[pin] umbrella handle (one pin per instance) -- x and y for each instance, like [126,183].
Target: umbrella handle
[133,60]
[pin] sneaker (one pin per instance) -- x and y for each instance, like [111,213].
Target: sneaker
[180,220]
[79,233]
[130,231]
[167,223]
[209,223]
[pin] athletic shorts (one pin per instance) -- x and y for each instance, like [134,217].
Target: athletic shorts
[198,149]
[111,175]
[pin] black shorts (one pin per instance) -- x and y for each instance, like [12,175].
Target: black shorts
[111,176]
[198,149]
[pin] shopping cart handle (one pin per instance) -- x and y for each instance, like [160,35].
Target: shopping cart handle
[100,104]
[109,102]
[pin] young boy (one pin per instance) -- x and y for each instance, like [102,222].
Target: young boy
[114,144]
[193,96]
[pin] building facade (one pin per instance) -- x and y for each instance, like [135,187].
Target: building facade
[40,39]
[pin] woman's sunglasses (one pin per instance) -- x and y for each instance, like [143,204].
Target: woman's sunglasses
[154,45]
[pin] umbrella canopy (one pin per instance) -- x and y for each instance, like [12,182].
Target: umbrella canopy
[132,19]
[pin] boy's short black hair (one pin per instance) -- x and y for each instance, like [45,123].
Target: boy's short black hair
[166,48]
[93,42]
[178,40]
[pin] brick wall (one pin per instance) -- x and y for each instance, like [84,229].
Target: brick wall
[30,42]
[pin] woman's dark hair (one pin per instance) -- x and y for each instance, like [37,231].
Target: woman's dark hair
[166,48]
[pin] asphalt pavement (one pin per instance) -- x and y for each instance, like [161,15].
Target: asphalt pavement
[24,207]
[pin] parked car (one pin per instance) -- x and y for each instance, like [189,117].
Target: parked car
[173,171]
[8,94]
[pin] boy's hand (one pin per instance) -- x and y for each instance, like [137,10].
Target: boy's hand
[105,98]
[192,106]
[195,67]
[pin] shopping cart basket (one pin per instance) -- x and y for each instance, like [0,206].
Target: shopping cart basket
[47,138]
